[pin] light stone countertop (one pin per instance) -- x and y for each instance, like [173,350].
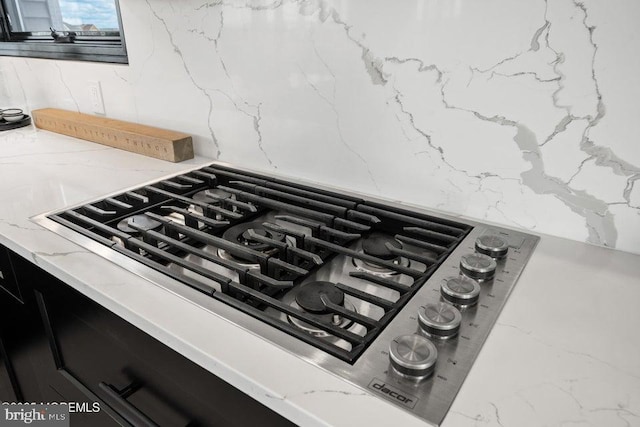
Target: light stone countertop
[564,350]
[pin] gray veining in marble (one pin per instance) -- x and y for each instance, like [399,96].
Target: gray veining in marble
[519,114]
[549,361]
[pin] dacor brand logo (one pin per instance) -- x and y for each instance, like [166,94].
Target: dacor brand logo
[393,393]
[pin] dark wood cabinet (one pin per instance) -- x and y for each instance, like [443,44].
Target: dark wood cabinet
[8,383]
[32,373]
[8,282]
[8,289]
[63,346]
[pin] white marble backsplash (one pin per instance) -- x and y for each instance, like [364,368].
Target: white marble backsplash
[523,113]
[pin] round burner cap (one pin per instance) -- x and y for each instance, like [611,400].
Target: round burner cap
[240,234]
[140,222]
[211,196]
[375,245]
[259,231]
[308,296]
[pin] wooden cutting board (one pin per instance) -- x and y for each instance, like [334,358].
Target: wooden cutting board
[147,140]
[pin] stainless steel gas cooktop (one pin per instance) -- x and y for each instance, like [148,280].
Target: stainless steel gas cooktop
[396,301]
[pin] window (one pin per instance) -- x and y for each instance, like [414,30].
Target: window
[89,30]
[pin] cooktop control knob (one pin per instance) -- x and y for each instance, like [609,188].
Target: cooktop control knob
[478,266]
[413,356]
[494,246]
[462,291]
[439,320]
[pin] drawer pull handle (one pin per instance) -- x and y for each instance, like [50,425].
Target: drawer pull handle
[118,402]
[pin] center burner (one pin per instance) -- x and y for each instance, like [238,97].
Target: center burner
[242,233]
[381,246]
[309,296]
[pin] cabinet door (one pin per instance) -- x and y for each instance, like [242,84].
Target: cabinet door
[8,281]
[140,378]
[27,351]
[9,297]
[24,350]
[9,391]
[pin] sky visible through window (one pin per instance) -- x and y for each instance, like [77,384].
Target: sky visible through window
[101,13]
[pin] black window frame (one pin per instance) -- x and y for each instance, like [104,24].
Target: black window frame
[94,46]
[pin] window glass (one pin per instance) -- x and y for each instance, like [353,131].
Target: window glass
[63,15]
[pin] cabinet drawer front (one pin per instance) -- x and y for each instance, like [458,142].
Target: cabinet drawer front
[97,347]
